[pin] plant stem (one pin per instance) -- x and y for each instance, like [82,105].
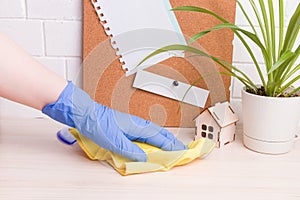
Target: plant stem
[289,84]
[281,26]
[294,91]
[286,72]
[270,88]
[272,23]
[247,17]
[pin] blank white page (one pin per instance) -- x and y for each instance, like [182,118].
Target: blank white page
[138,27]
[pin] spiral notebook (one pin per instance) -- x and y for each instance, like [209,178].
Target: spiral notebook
[139,27]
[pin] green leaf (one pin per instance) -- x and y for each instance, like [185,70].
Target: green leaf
[261,26]
[227,66]
[289,73]
[292,30]
[272,24]
[201,10]
[286,56]
[294,91]
[217,27]
[281,26]
[290,68]
[253,57]
[247,17]
[234,28]
[289,84]
[199,35]
[268,34]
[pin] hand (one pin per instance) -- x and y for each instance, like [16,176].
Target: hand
[109,128]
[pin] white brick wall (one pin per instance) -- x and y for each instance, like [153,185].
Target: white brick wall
[54,9]
[12,9]
[27,33]
[68,33]
[51,31]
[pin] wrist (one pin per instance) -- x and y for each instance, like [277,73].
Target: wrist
[58,110]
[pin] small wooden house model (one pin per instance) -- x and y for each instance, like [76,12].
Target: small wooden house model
[217,123]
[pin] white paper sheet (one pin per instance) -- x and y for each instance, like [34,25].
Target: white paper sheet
[139,27]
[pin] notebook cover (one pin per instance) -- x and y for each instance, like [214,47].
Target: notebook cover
[106,82]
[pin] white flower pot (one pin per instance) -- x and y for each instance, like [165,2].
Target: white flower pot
[270,123]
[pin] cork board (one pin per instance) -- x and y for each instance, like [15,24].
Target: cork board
[105,81]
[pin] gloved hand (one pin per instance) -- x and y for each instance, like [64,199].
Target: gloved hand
[109,128]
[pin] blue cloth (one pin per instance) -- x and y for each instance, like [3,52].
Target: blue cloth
[109,128]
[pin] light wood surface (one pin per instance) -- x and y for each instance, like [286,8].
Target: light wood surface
[35,165]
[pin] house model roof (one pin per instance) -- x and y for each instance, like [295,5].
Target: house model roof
[223,114]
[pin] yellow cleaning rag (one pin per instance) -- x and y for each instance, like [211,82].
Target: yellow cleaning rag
[158,160]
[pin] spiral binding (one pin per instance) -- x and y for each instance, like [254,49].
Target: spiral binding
[105,24]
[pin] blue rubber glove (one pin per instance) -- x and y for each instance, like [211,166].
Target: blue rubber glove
[109,128]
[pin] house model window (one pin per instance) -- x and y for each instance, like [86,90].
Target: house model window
[207,131]
[217,123]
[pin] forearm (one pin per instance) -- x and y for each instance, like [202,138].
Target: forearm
[24,80]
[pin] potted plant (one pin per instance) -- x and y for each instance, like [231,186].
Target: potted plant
[271,108]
